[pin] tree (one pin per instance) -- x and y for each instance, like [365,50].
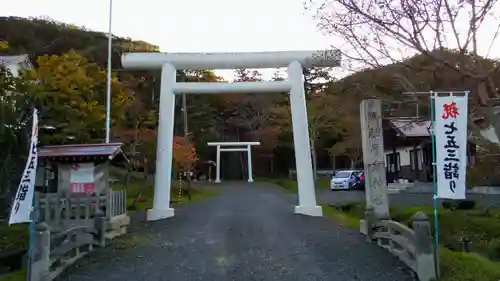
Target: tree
[377,33]
[15,129]
[315,80]
[4,45]
[184,154]
[349,141]
[324,116]
[254,115]
[322,123]
[139,119]
[12,98]
[45,36]
[72,94]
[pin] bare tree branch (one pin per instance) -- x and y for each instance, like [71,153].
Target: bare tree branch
[450,43]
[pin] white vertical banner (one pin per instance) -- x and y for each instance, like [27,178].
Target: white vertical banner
[23,202]
[450,129]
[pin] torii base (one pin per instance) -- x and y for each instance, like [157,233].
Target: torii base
[312,211]
[159,214]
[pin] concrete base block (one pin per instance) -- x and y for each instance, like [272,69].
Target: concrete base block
[313,211]
[159,214]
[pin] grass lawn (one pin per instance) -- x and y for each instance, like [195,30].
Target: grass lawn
[291,185]
[13,238]
[146,190]
[19,275]
[145,187]
[481,227]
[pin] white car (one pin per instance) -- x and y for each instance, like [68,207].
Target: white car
[343,179]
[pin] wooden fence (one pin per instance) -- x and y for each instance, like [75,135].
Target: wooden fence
[118,203]
[413,245]
[67,228]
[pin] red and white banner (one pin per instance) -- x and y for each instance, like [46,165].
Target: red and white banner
[450,131]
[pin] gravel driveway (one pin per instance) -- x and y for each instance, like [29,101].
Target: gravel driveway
[248,232]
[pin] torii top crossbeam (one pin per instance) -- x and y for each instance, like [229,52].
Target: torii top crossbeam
[197,61]
[233,143]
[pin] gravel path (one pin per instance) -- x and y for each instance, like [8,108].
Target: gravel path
[248,232]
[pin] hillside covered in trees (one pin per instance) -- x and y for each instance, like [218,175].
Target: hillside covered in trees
[70,68]
[71,62]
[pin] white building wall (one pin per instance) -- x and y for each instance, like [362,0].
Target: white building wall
[404,155]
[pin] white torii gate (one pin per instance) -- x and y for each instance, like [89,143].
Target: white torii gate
[169,63]
[245,146]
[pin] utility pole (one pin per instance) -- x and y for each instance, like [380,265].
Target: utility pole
[184,112]
[108,86]
[186,132]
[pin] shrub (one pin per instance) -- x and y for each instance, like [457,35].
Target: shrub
[459,204]
[467,267]
[493,250]
[484,172]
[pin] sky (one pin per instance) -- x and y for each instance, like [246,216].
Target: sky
[189,25]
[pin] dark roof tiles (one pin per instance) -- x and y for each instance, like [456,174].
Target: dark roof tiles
[109,150]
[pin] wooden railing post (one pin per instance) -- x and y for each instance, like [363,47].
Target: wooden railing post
[100,221]
[108,204]
[424,254]
[40,260]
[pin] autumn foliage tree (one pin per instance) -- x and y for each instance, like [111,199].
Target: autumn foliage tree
[71,92]
[184,154]
[141,144]
[3,45]
[69,82]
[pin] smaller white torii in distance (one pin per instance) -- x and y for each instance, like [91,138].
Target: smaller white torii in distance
[244,146]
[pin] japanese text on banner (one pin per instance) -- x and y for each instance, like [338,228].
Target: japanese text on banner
[23,202]
[450,129]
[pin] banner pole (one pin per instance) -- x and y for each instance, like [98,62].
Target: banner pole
[32,223]
[30,246]
[434,182]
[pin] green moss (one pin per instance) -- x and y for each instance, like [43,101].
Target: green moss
[288,185]
[15,237]
[19,275]
[346,219]
[456,266]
